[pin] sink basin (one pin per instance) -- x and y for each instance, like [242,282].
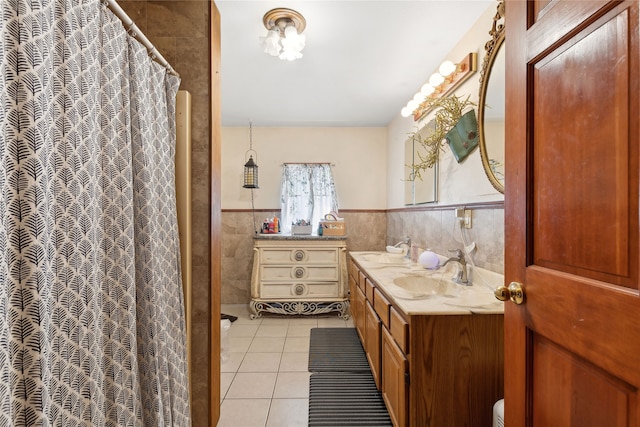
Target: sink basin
[416,287]
[386,258]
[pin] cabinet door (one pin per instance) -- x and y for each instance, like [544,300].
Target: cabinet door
[394,383]
[360,313]
[353,306]
[372,342]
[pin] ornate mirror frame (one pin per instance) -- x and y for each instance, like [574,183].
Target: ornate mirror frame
[492,48]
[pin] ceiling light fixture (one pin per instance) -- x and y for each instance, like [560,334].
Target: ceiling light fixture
[448,77]
[284,38]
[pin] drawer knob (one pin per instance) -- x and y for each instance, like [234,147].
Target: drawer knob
[299,272]
[299,256]
[298,289]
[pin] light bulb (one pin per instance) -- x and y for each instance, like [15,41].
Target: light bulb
[412,105]
[436,80]
[271,43]
[405,112]
[419,97]
[446,68]
[427,89]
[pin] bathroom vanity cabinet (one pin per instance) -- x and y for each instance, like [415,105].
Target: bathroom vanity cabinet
[432,369]
[299,275]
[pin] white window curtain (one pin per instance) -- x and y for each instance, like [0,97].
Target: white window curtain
[308,193]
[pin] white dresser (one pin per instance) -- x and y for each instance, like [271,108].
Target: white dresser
[299,275]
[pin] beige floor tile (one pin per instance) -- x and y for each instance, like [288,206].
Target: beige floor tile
[292,385]
[276,321]
[244,412]
[272,331]
[225,381]
[289,413]
[299,330]
[294,362]
[239,344]
[296,345]
[231,362]
[331,322]
[307,320]
[260,362]
[266,345]
[242,331]
[252,386]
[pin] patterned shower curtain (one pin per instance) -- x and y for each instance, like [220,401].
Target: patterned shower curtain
[92,329]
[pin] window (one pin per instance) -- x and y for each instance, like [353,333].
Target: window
[308,193]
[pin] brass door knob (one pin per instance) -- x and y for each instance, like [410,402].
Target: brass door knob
[514,292]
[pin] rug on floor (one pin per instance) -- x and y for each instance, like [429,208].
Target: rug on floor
[345,399]
[336,350]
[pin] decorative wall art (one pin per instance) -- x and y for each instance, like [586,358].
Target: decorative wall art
[463,137]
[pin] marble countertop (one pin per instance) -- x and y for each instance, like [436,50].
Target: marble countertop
[278,236]
[478,298]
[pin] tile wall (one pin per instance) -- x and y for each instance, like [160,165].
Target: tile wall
[369,231]
[437,230]
[180,32]
[366,230]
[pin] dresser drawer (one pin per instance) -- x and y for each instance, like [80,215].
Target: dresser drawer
[381,306]
[299,255]
[399,330]
[307,290]
[368,289]
[360,281]
[329,273]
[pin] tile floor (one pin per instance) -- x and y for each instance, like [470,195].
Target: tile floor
[264,369]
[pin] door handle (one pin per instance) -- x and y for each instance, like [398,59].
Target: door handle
[514,292]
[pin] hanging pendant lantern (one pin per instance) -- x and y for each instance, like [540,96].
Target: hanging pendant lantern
[251,173]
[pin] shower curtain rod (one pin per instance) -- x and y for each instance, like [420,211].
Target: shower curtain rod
[135,32]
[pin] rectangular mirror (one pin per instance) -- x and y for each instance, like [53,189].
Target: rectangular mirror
[422,189]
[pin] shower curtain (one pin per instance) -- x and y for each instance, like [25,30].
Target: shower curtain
[92,329]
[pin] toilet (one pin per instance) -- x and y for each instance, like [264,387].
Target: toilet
[498,413]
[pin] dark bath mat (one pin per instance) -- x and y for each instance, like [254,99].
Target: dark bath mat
[345,399]
[336,350]
[228,317]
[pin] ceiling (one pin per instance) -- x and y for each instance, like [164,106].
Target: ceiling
[362,62]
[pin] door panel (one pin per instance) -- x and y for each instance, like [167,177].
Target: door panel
[581,214]
[571,213]
[615,401]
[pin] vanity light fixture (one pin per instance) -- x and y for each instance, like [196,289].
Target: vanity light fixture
[442,82]
[284,38]
[250,168]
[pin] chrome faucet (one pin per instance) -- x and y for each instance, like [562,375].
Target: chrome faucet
[407,243]
[461,276]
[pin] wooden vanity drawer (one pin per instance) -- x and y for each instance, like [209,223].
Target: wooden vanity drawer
[360,282]
[368,290]
[381,306]
[399,330]
[353,270]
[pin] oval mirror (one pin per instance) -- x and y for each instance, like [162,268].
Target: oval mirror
[491,103]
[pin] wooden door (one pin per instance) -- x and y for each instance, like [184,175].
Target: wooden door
[572,355]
